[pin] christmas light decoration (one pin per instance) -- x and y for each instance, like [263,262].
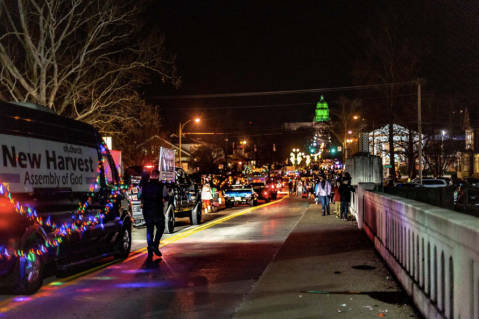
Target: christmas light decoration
[60,231]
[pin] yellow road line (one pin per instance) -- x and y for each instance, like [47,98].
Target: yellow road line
[69,280]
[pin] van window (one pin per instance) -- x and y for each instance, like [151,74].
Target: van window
[110,173]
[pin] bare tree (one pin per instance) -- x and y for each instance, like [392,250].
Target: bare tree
[391,57]
[82,58]
[344,122]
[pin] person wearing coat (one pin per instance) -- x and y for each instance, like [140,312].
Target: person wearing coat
[206,197]
[323,191]
[345,197]
[153,195]
[337,197]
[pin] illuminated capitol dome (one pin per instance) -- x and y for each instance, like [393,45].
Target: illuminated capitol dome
[322,111]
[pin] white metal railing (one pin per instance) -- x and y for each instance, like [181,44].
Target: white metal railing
[433,252]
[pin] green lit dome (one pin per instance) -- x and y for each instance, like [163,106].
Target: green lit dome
[322,111]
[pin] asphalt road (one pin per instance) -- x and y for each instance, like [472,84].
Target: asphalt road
[206,271]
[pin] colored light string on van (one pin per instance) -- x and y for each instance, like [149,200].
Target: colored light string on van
[64,229]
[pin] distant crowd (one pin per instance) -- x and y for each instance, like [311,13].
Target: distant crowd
[327,187]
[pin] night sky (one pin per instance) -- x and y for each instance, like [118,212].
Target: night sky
[254,46]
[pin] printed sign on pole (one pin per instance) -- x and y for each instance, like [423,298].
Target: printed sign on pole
[167,165]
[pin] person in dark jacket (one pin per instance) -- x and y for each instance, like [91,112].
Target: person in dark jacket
[345,197]
[152,195]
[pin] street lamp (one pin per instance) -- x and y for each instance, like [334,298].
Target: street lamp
[355,117]
[181,132]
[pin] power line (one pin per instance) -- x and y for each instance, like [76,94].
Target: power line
[335,89]
[273,105]
[236,107]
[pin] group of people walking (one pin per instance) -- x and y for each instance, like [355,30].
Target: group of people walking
[326,190]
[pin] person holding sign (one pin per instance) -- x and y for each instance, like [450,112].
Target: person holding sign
[153,193]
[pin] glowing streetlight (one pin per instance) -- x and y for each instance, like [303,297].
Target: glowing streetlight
[350,132]
[181,133]
[355,117]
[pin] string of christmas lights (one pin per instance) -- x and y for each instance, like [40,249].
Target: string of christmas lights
[78,224]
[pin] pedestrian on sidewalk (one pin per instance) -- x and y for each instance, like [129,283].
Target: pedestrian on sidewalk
[337,197]
[310,189]
[345,196]
[323,191]
[153,193]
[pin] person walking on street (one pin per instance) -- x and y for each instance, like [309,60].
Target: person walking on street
[153,193]
[323,191]
[299,188]
[290,186]
[345,197]
[206,196]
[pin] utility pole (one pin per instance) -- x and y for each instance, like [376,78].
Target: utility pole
[179,136]
[179,150]
[419,124]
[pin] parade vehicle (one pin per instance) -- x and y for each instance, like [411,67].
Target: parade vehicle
[273,188]
[185,200]
[263,191]
[185,197]
[61,200]
[134,201]
[240,195]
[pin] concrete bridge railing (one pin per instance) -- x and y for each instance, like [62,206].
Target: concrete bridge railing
[433,252]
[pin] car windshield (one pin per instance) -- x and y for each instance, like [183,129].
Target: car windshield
[237,187]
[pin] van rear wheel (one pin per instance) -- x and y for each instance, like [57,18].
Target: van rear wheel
[123,246]
[30,271]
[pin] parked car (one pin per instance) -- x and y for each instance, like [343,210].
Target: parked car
[474,182]
[68,206]
[434,183]
[408,185]
[416,180]
[446,179]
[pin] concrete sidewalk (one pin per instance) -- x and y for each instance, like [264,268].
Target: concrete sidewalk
[326,268]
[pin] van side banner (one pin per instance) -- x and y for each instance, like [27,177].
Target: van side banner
[28,163]
[167,165]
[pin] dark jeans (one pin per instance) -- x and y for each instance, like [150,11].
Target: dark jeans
[344,210]
[151,222]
